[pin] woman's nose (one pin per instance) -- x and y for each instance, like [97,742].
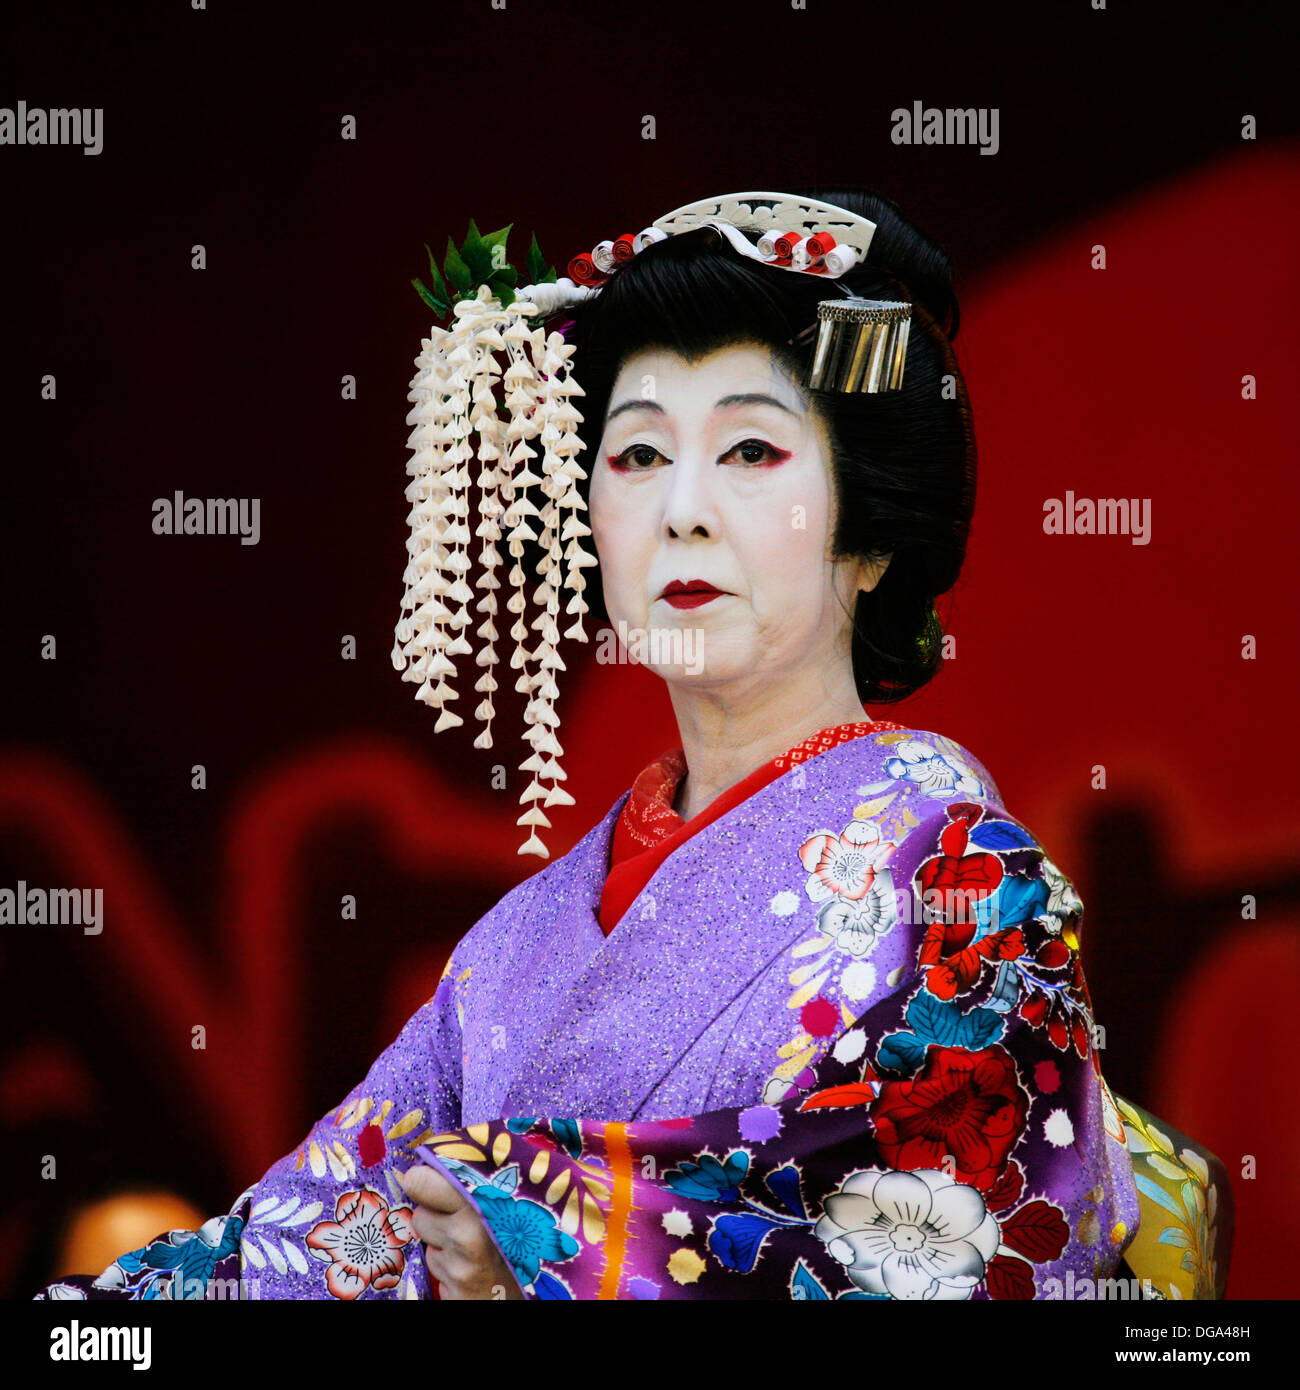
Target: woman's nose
[690,504]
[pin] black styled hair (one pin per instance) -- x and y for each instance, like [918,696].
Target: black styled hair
[903,461]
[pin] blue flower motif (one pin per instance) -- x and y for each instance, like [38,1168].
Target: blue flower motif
[783,1184]
[190,1258]
[525,1230]
[1017,900]
[551,1289]
[937,774]
[805,1287]
[737,1238]
[567,1133]
[708,1180]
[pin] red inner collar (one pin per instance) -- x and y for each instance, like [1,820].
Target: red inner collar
[648,830]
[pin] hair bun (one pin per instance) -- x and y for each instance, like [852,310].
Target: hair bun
[900,252]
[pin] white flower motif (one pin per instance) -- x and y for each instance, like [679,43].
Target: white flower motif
[859,980]
[677,1223]
[114,1277]
[937,774]
[916,1235]
[850,1046]
[1062,900]
[844,865]
[856,925]
[785,904]
[1058,1130]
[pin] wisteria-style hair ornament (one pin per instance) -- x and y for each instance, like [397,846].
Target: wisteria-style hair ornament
[469,404]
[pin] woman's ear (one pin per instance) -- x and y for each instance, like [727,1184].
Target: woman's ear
[871,570]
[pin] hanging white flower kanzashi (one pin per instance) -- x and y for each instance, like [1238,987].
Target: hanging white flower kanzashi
[459,392]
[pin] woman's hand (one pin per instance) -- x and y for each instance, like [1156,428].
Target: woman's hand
[462,1260]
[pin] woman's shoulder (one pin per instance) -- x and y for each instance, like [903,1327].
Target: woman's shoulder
[950,807]
[527,907]
[924,793]
[939,767]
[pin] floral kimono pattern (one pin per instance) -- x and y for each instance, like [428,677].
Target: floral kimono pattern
[841,1046]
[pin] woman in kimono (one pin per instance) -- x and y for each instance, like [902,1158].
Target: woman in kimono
[802,1016]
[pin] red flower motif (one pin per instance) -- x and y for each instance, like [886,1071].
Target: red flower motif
[1066,1027]
[363,1243]
[1008,1278]
[371,1146]
[969,1105]
[1037,1231]
[838,1097]
[1053,954]
[955,975]
[819,1017]
[1033,1010]
[1047,1077]
[1007,1190]
[951,884]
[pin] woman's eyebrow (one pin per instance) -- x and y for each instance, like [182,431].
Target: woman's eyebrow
[634,405]
[742,398]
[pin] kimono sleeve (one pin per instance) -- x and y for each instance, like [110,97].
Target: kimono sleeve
[329,1220]
[956,1141]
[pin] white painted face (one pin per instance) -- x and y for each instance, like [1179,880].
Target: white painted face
[719,471]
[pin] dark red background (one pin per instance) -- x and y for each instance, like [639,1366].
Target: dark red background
[324,778]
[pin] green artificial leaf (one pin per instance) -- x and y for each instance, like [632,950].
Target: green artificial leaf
[536,262]
[438,306]
[496,239]
[435,276]
[539,273]
[457,271]
[476,255]
[502,284]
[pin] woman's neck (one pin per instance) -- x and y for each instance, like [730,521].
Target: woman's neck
[723,744]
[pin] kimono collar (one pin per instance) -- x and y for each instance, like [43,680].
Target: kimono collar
[648,816]
[648,830]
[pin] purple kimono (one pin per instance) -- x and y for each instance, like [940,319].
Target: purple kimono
[840,1046]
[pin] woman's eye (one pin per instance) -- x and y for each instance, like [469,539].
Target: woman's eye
[636,458]
[756,451]
[640,458]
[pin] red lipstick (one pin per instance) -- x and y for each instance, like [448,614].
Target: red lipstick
[690,593]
